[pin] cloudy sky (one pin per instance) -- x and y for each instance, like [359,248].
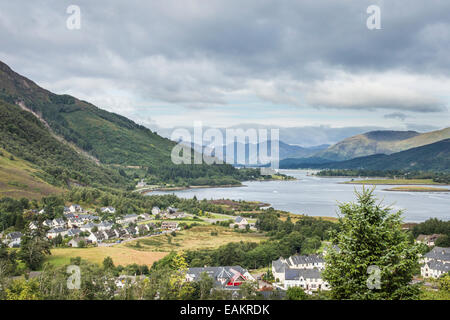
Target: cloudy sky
[301,63]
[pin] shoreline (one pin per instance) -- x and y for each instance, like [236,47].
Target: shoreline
[190,187]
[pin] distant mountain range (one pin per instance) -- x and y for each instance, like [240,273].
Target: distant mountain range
[377,142]
[430,157]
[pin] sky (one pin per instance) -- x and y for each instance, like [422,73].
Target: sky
[312,65]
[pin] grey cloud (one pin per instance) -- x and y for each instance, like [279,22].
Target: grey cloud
[199,52]
[396,115]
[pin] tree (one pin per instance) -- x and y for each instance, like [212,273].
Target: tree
[108,263]
[23,290]
[376,259]
[34,246]
[296,293]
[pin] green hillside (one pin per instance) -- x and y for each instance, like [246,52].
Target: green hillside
[26,138]
[377,142]
[431,157]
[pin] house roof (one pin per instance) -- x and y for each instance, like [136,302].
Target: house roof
[238,219]
[296,274]
[279,265]
[14,235]
[439,253]
[438,265]
[218,274]
[306,259]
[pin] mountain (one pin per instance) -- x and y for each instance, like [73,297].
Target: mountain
[431,157]
[377,142]
[31,151]
[83,144]
[285,151]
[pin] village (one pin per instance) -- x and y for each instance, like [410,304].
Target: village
[82,228]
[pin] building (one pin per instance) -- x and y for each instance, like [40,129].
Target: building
[227,277]
[75,242]
[129,218]
[59,222]
[171,226]
[108,210]
[73,232]
[300,270]
[75,208]
[52,233]
[308,279]
[429,240]
[435,263]
[156,210]
[240,222]
[104,225]
[434,269]
[13,239]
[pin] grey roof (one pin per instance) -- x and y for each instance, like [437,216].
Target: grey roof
[295,274]
[238,219]
[301,259]
[439,253]
[57,230]
[438,265]
[14,235]
[279,265]
[130,216]
[73,232]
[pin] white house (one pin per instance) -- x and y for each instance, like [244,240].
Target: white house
[51,234]
[156,210]
[104,225]
[434,269]
[129,218]
[171,226]
[308,279]
[435,263]
[300,270]
[58,222]
[429,240]
[108,210]
[75,208]
[14,239]
[87,227]
[240,222]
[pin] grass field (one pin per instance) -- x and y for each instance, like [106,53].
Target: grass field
[395,182]
[418,189]
[154,248]
[18,179]
[120,255]
[198,237]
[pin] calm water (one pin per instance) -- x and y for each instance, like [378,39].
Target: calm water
[316,196]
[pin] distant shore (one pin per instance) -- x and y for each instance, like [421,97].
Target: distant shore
[417,182]
[190,187]
[417,189]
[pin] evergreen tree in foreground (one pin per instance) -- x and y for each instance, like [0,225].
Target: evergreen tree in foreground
[375,259]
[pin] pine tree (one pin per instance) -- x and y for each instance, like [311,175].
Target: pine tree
[372,247]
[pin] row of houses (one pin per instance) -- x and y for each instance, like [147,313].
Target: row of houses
[169,213]
[300,271]
[120,233]
[435,263]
